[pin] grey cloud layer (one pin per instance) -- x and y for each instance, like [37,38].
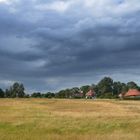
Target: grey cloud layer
[53,44]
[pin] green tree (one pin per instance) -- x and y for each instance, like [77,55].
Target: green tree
[48,95]
[105,86]
[75,90]
[124,88]
[1,93]
[8,93]
[17,90]
[36,95]
[117,88]
[132,85]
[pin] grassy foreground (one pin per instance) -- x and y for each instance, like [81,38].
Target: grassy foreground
[43,119]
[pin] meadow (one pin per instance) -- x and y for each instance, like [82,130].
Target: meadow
[60,119]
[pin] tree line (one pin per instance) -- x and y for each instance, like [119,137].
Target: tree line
[106,88]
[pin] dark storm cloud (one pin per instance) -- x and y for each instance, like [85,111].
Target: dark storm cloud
[54,44]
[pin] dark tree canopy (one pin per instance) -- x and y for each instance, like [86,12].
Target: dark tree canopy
[105,85]
[1,93]
[132,85]
[117,88]
[36,95]
[17,90]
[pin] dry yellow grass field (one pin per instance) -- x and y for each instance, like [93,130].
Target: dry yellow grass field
[54,119]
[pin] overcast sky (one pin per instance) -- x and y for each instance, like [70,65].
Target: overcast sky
[49,45]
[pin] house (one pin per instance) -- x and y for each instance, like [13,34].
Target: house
[90,94]
[131,94]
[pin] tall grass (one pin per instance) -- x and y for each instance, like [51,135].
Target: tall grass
[44,119]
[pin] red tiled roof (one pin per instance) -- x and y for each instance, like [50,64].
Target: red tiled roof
[132,92]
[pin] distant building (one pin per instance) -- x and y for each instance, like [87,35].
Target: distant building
[90,94]
[131,94]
